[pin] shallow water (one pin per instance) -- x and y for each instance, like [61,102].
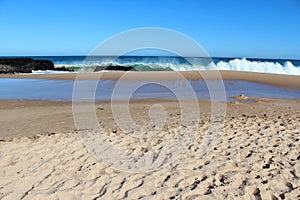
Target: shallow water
[62,90]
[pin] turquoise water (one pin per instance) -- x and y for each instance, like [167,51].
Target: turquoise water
[61,90]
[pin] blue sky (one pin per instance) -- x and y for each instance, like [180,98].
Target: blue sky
[227,28]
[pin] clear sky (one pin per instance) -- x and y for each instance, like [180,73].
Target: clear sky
[226,28]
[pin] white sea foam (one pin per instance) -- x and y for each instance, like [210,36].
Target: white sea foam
[49,72]
[255,66]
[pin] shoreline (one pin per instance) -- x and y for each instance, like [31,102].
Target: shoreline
[282,80]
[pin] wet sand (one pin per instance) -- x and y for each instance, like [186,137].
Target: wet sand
[291,81]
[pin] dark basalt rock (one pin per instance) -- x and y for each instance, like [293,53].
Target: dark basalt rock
[24,65]
[114,68]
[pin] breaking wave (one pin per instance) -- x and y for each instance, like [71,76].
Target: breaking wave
[256,66]
[164,63]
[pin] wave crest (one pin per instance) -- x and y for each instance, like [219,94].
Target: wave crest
[179,64]
[256,66]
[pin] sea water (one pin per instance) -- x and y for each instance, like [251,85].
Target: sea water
[62,90]
[174,63]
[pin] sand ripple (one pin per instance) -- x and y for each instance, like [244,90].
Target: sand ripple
[256,157]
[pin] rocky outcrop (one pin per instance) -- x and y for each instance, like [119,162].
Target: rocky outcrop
[24,65]
[114,68]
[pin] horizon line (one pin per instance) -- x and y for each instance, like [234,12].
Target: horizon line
[224,57]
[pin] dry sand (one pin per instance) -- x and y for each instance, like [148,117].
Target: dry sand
[257,156]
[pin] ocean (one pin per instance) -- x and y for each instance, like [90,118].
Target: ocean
[173,63]
[61,90]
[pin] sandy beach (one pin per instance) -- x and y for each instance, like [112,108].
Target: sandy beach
[255,157]
[272,79]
